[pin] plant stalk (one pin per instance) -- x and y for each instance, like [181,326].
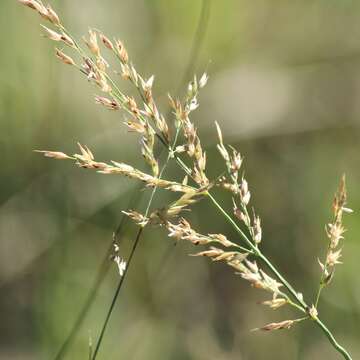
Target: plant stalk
[108,315]
[291,290]
[332,339]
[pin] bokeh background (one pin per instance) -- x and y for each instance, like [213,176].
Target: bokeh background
[285,86]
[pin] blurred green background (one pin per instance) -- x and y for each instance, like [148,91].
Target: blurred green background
[285,86]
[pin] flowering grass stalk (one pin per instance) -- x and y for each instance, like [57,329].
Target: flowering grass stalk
[180,139]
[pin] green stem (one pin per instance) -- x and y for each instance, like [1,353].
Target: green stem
[296,306]
[321,286]
[258,253]
[138,236]
[163,169]
[332,340]
[253,247]
[299,300]
[291,290]
[112,305]
[321,283]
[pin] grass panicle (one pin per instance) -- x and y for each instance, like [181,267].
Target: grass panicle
[179,137]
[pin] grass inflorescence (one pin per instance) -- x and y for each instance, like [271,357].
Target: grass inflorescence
[178,135]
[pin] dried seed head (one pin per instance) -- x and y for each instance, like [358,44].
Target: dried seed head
[175,187]
[313,312]
[51,34]
[103,83]
[86,160]
[237,262]
[275,303]
[123,55]
[127,170]
[254,279]
[180,149]
[163,127]
[92,43]
[212,253]
[270,284]
[35,5]
[327,277]
[222,239]
[227,256]
[322,266]
[135,126]
[188,198]
[241,215]
[86,154]
[259,279]
[333,258]
[125,71]
[221,147]
[149,83]
[46,12]
[121,264]
[64,58]
[134,75]
[335,232]
[67,40]
[201,161]
[340,196]
[133,106]
[54,154]
[108,44]
[347,210]
[193,105]
[138,218]
[102,64]
[183,231]
[52,16]
[244,192]
[32,4]
[94,74]
[203,80]
[192,88]
[252,266]
[286,324]
[256,229]
[180,230]
[235,161]
[43,11]
[108,103]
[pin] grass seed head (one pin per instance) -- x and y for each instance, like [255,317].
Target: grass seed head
[32,4]
[51,34]
[58,155]
[275,303]
[107,42]
[108,103]
[286,324]
[64,58]
[138,218]
[92,43]
[53,16]
[121,51]
[257,231]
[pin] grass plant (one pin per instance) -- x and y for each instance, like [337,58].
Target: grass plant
[179,137]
